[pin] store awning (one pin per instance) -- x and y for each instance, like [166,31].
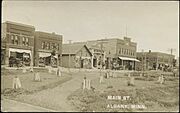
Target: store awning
[127,58]
[19,50]
[44,54]
[83,57]
[56,56]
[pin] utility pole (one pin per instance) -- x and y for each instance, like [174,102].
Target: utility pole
[143,62]
[171,51]
[101,61]
[69,56]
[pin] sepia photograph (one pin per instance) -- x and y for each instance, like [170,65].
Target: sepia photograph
[89,56]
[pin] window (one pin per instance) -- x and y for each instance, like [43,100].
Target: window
[12,39]
[27,41]
[57,46]
[47,45]
[16,39]
[24,43]
[52,46]
[43,45]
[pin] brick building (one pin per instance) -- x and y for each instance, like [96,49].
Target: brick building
[47,49]
[76,56]
[17,44]
[119,53]
[154,60]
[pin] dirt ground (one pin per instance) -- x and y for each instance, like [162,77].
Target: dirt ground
[146,92]
[65,93]
[48,80]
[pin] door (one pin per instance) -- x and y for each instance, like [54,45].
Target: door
[82,62]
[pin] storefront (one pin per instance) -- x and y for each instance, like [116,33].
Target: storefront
[82,62]
[46,59]
[19,57]
[2,56]
[127,63]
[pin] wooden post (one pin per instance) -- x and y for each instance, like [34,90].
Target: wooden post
[24,70]
[16,83]
[161,79]
[107,74]
[129,75]
[31,69]
[101,78]
[84,83]
[88,84]
[37,77]
[132,81]
[49,70]
[58,72]
[140,74]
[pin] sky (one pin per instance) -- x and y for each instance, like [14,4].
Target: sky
[152,25]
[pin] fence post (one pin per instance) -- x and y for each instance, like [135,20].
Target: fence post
[16,83]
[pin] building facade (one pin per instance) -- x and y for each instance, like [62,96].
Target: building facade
[154,60]
[120,53]
[47,49]
[17,44]
[98,55]
[76,56]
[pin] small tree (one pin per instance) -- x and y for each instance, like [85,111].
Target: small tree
[53,53]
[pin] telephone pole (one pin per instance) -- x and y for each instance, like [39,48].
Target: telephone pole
[69,56]
[171,52]
[101,61]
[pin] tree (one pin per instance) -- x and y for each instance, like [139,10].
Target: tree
[53,53]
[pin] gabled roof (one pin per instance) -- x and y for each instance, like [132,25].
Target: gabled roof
[73,48]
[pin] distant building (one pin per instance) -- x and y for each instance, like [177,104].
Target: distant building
[17,44]
[154,60]
[177,62]
[44,46]
[76,56]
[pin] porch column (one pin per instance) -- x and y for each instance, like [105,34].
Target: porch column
[6,56]
[32,54]
[157,64]
[92,58]
[122,64]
